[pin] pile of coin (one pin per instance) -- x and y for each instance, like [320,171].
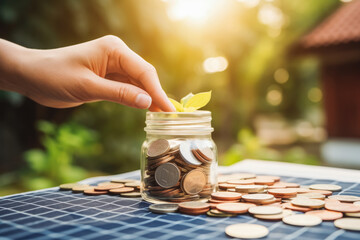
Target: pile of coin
[122,187]
[268,198]
[180,172]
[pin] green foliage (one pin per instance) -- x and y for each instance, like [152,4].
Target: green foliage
[248,147]
[55,164]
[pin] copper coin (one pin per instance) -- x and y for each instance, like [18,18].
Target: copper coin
[93,192]
[81,188]
[288,205]
[275,178]
[122,190]
[211,200]
[194,182]
[257,197]
[328,187]
[193,205]
[326,215]
[323,192]
[282,192]
[342,207]
[277,185]
[241,182]
[312,195]
[154,165]
[202,147]
[308,202]
[109,186]
[345,198]
[167,175]
[158,147]
[226,195]
[198,156]
[194,212]
[236,208]
[104,183]
[290,185]
[264,181]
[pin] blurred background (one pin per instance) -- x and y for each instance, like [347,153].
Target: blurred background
[285,84]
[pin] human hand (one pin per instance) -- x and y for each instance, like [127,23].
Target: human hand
[102,69]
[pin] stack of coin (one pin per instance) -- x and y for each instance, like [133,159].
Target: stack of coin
[180,172]
[122,187]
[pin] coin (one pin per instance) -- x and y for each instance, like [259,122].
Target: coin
[342,207]
[135,184]
[284,213]
[240,182]
[93,192]
[122,190]
[130,194]
[187,155]
[167,175]
[249,188]
[302,220]
[288,205]
[226,196]
[211,214]
[323,192]
[275,178]
[157,148]
[203,150]
[257,197]
[357,203]
[356,214]
[194,181]
[68,186]
[307,202]
[211,200]
[352,224]
[264,181]
[193,205]
[108,186]
[345,198]
[164,208]
[103,183]
[326,215]
[265,210]
[283,192]
[246,231]
[328,187]
[81,188]
[122,180]
[236,208]
[312,195]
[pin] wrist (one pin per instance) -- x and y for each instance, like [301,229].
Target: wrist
[10,65]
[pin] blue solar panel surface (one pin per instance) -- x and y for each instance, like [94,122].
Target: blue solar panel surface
[54,214]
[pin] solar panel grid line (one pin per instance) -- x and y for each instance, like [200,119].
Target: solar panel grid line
[350,187]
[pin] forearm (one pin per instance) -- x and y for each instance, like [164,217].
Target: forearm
[10,65]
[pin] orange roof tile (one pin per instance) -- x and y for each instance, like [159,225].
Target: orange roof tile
[341,27]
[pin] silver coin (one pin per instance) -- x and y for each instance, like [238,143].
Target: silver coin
[187,155]
[164,208]
[167,175]
[158,147]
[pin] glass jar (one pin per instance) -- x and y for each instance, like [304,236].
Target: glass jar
[178,157]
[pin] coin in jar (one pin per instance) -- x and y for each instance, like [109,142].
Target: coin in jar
[187,155]
[167,175]
[158,147]
[193,182]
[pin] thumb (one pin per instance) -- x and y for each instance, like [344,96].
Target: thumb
[123,93]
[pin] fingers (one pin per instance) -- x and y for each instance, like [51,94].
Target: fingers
[123,93]
[123,59]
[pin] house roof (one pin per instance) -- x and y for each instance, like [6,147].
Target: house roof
[340,28]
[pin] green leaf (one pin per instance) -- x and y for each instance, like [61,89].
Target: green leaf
[198,100]
[185,99]
[177,105]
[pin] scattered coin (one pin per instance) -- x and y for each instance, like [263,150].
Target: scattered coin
[164,208]
[81,188]
[104,183]
[249,188]
[342,207]
[93,192]
[302,220]
[236,208]
[325,215]
[288,205]
[246,231]
[356,214]
[311,195]
[167,175]
[283,192]
[122,190]
[352,224]
[328,187]
[357,203]
[264,181]
[121,180]
[265,210]
[135,184]
[187,155]
[257,197]
[345,198]
[280,216]
[307,202]
[194,208]
[130,194]
[68,186]
[158,147]
[226,196]
[109,186]
[240,182]
[194,181]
